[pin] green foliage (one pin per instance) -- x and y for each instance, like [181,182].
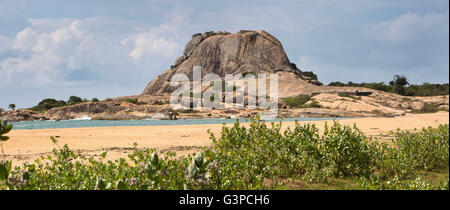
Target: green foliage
[254,156]
[50,103]
[425,150]
[313,104]
[249,156]
[374,183]
[427,89]
[74,100]
[247,73]
[4,129]
[12,106]
[428,149]
[429,108]
[5,166]
[400,85]
[95,100]
[131,100]
[338,84]
[297,101]
[47,104]
[309,74]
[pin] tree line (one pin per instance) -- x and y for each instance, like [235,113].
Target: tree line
[401,86]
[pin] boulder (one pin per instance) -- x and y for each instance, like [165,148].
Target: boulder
[224,53]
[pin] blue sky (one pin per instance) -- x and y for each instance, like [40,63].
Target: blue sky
[55,49]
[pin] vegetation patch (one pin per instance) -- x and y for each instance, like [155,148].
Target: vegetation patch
[254,156]
[50,103]
[47,104]
[429,108]
[133,101]
[400,85]
[297,101]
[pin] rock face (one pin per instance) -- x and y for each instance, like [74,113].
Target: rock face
[83,109]
[224,53]
[23,115]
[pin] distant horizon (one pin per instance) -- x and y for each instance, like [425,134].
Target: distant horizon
[102,49]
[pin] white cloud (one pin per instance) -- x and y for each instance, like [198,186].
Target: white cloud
[412,27]
[153,41]
[25,40]
[4,43]
[49,56]
[76,51]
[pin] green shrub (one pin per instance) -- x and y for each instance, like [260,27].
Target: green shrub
[428,108]
[297,101]
[254,156]
[47,104]
[427,150]
[247,73]
[131,100]
[74,100]
[397,184]
[313,104]
[425,89]
[310,74]
[258,152]
[5,166]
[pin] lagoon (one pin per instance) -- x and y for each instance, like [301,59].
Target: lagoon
[81,123]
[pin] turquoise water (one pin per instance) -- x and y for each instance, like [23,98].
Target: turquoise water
[111,123]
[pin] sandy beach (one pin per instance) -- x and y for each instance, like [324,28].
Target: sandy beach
[27,145]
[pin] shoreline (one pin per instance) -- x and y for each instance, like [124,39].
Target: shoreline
[28,145]
[164,122]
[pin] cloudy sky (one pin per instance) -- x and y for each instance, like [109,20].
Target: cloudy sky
[55,49]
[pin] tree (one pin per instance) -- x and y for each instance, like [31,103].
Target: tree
[339,84]
[74,100]
[399,82]
[294,66]
[310,74]
[95,100]
[47,104]
[12,106]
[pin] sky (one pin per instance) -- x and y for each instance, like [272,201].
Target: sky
[106,48]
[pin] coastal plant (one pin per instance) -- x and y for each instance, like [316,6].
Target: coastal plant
[428,149]
[396,183]
[4,129]
[257,155]
[5,166]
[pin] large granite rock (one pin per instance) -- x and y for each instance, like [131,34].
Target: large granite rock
[224,53]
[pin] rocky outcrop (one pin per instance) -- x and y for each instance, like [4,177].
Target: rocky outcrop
[23,115]
[355,104]
[224,53]
[83,109]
